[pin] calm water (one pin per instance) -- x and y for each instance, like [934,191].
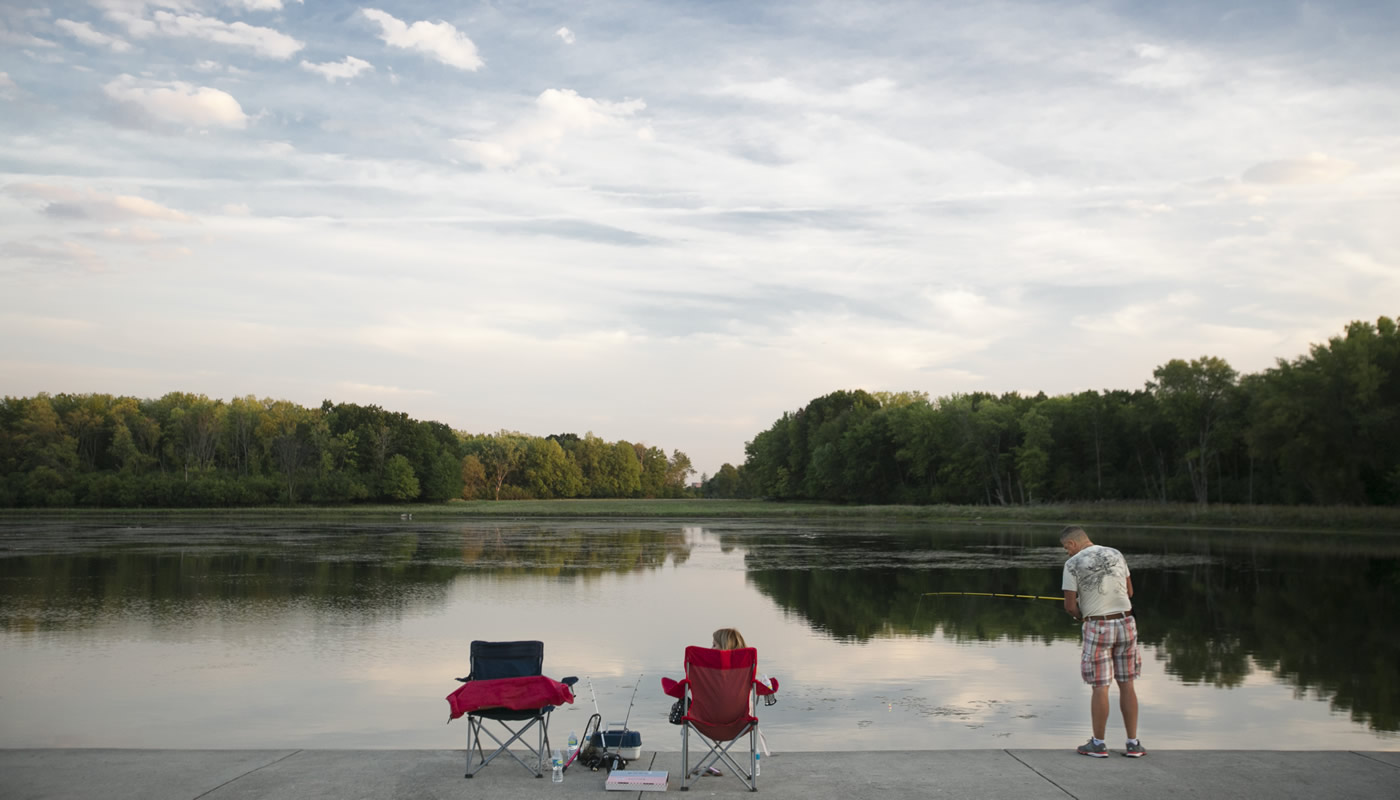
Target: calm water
[348,634]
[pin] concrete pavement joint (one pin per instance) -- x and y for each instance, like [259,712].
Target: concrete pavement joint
[1043,776]
[1373,758]
[246,774]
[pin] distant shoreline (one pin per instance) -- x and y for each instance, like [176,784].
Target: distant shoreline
[1371,519]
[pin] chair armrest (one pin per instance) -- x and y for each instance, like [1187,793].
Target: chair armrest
[765,689]
[674,688]
[569,681]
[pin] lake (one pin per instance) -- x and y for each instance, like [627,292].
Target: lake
[276,633]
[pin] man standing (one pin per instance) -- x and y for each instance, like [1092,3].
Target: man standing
[1098,589]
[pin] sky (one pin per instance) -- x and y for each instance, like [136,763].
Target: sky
[672,222]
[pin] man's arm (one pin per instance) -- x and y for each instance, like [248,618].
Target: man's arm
[1130,586]
[1072,602]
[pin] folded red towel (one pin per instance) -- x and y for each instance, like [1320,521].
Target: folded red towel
[517,694]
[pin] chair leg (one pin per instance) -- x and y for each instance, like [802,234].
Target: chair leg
[685,756]
[753,758]
[475,727]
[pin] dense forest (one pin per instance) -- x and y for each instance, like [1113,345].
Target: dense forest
[1321,429]
[186,450]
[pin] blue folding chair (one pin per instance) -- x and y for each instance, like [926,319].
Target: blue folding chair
[493,660]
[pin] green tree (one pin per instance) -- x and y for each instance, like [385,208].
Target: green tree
[284,427]
[724,484]
[473,478]
[1198,397]
[399,481]
[547,470]
[1032,455]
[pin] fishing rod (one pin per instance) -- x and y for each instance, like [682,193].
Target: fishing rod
[989,594]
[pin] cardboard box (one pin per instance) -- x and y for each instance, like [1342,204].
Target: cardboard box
[638,780]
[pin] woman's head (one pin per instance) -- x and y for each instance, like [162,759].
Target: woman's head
[729,639]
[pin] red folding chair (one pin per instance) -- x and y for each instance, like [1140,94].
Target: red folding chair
[719,688]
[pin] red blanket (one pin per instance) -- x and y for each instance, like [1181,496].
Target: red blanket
[517,694]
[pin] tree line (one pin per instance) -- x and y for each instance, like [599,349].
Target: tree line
[1323,428]
[187,450]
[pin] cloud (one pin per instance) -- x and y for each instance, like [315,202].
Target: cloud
[8,88]
[65,252]
[10,37]
[132,235]
[440,40]
[85,33]
[1159,67]
[237,209]
[257,5]
[333,70]
[378,390]
[1315,168]
[69,203]
[179,102]
[874,93]
[565,34]
[558,112]
[266,42]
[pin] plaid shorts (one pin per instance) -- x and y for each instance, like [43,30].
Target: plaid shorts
[1111,651]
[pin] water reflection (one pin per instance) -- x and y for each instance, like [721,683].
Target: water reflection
[1213,607]
[300,617]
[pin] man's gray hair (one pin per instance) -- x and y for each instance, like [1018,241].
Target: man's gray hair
[1073,532]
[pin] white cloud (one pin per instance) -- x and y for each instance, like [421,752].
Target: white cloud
[558,112]
[133,234]
[85,33]
[266,42]
[333,70]
[71,203]
[565,34]
[869,94]
[440,40]
[237,209]
[22,39]
[208,66]
[8,88]
[46,253]
[381,391]
[1315,168]
[179,102]
[257,5]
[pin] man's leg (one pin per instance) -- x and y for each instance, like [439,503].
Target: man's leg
[1098,711]
[1128,704]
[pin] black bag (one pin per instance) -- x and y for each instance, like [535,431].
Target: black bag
[678,710]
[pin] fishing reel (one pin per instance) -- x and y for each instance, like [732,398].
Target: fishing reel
[593,756]
[598,759]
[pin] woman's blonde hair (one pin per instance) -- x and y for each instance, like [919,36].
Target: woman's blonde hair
[729,639]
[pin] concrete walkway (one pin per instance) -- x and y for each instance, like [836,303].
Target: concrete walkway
[422,774]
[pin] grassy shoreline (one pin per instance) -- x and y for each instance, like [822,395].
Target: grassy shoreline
[1133,514]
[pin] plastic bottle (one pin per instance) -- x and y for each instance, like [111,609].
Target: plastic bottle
[757,764]
[558,767]
[573,747]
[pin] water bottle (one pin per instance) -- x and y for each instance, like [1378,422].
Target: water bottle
[573,747]
[558,767]
[757,764]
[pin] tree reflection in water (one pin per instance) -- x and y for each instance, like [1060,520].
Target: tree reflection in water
[163,573]
[1315,611]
